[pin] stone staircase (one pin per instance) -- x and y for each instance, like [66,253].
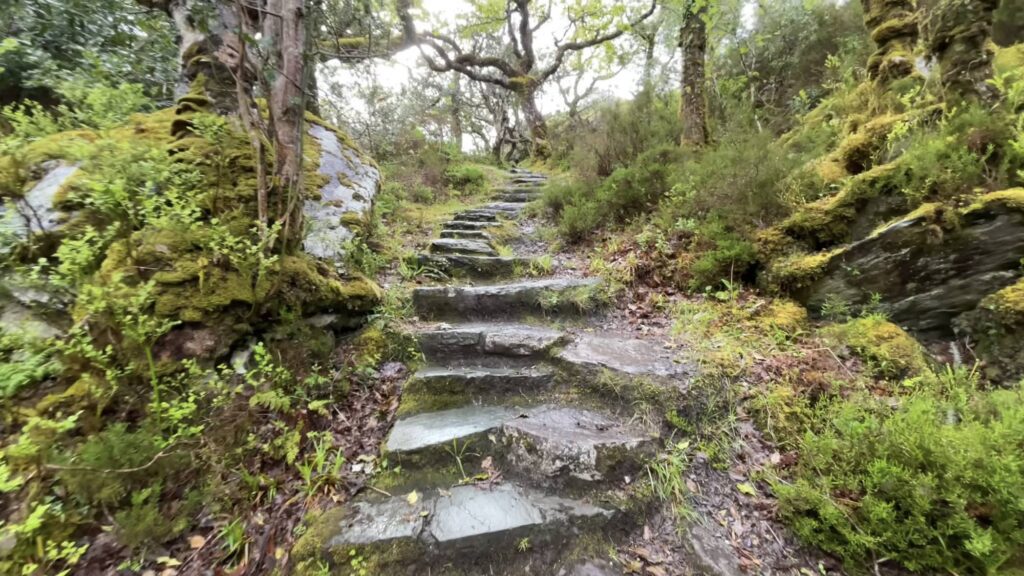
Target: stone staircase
[506,458]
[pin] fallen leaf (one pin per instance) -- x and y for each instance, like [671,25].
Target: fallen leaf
[746,488]
[413,498]
[656,571]
[196,542]
[168,561]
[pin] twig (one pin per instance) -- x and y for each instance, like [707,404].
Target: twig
[163,453]
[379,491]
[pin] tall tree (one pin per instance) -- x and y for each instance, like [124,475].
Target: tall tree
[519,70]
[693,44]
[894,29]
[959,35]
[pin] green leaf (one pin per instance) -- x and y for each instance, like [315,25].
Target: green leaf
[747,488]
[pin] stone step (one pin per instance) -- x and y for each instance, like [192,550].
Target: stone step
[502,208]
[468,225]
[596,353]
[529,179]
[562,296]
[501,339]
[425,440]
[545,445]
[478,215]
[517,197]
[478,529]
[567,445]
[466,235]
[463,247]
[512,188]
[479,267]
[475,381]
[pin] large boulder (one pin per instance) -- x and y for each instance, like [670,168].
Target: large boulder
[927,268]
[216,294]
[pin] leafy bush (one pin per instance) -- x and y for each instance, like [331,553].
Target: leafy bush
[466,177]
[932,483]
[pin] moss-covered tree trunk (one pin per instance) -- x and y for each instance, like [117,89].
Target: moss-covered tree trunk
[893,25]
[958,34]
[286,34]
[209,46]
[693,43]
[535,120]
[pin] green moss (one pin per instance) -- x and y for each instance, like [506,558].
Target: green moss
[796,271]
[1010,59]
[859,151]
[888,350]
[827,222]
[1008,303]
[420,403]
[1012,198]
[785,315]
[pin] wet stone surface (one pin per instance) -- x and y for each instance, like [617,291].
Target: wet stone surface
[499,299]
[475,266]
[461,515]
[466,235]
[462,247]
[628,356]
[479,380]
[499,339]
[353,184]
[437,428]
[39,204]
[467,225]
[574,443]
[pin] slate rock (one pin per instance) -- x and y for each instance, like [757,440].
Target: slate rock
[570,444]
[462,247]
[628,356]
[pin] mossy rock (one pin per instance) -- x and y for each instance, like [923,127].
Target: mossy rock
[860,150]
[996,327]
[794,272]
[886,348]
[831,221]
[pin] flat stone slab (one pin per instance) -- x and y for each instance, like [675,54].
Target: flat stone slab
[517,197]
[463,515]
[499,339]
[547,296]
[478,380]
[624,355]
[504,207]
[433,429]
[464,247]
[476,266]
[529,179]
[479,215]
[466,235]
[573,444]
[467,225]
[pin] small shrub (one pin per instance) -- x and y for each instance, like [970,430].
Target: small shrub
[466,178]
[932,484]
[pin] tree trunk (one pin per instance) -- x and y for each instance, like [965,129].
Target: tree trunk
[894,30]
[456,112]
[693,109]
[958,35]
[534,120]
[286,33]
[649,45]
[209,48]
